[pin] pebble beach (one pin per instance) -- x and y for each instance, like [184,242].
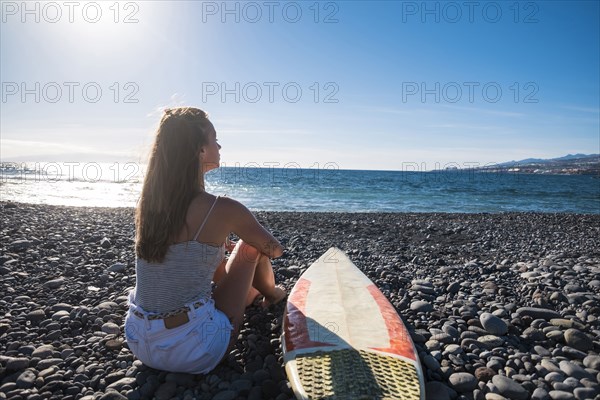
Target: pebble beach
[499,306]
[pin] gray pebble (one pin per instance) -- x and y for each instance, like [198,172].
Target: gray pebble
[495,396]
[225,395]
[58,315]
[181,379]
[241,385]
[509,388]
[556,336]
[578,340]
[110,328]
[118,267]
[107,305]
[493,324]
[495,364]
[26,379]
[549,365]
[574,370]
[49,362]
[572,383]
[536,313]
[582,393]
[112,396]
[573,353]
[490,341]
[431,363]
[433,344]
[421,306]
[542,351]
[54,283]
[450,330]
[43,351]
[453,349]
[36,316]
[533,334]
[443,338]
[561,395]
[540,394]
[436,391]
[17,363]
[118,385]
[564,323]
[423,289]
[20,245]
[554,377]
[463,382]
[573,288]
[260,375]
[166,391]
[149,388]
[592,361]
[453,288]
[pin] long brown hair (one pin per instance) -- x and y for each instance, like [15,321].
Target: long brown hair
[171,181]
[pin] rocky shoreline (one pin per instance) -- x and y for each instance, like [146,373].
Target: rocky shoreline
[500,306]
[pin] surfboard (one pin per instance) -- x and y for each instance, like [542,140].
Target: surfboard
[342,339]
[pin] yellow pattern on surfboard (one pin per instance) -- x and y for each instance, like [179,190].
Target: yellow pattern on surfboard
[357,375]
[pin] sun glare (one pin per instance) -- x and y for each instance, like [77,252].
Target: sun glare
[95,28]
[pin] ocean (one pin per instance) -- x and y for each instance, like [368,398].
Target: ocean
[317,189]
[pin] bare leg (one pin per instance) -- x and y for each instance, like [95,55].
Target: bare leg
[233,287]
[264,278]
[220,272]
[264,282]
[244,268]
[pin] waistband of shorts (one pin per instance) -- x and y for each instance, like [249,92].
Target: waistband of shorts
[191,306]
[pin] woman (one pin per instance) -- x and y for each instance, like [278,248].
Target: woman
[176,321]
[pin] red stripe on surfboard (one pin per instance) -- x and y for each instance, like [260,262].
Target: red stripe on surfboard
[400,342]
[296,328]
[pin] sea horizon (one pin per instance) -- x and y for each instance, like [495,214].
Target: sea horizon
[322,189]
[406,166]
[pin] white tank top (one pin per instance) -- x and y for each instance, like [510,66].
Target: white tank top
[184,276]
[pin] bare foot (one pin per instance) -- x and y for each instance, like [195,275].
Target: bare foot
[279,293]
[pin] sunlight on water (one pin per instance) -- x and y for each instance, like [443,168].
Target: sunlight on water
[278,189]
[72,184]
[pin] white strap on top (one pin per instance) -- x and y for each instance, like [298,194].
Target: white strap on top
[206,218]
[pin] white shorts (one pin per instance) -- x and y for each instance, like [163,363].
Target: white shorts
[195,347]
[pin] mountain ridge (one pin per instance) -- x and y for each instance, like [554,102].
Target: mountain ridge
[571,164]
[547,160]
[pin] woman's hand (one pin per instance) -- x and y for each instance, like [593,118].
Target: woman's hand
[229,244]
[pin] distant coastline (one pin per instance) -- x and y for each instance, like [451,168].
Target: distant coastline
[569,165]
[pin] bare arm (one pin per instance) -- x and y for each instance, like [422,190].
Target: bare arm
[245,225]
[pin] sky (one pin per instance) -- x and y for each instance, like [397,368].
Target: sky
[355,84]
